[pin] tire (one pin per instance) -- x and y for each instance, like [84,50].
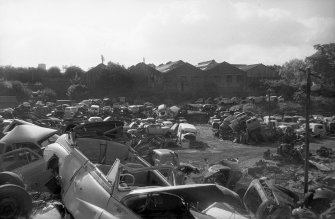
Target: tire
[15,202]
[11,178]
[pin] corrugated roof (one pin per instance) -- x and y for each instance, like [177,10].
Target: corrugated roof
[207,65]
[248,67]
[164,68]
[142,68]
[225,68]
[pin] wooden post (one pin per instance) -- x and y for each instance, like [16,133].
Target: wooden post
[308,93]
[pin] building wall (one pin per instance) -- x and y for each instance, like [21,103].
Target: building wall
[262,72]
[185,79]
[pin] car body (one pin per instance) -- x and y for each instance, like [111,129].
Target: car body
[317,129]
[164,157]
[186,134]
[70,112]
[265,200]
[26,163]
[31,136]
[94,109]
[168,124]
[95,119]
[253,123]
[157,129]
[272,98]
[280,99]
[330,125]
[10,124]
[21,152]
[122,191]
[273,121]
[107,109]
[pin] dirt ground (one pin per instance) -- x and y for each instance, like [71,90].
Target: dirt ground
[288,175]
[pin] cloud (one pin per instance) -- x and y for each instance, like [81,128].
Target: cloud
[77,32]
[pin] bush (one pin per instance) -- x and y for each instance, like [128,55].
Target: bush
[15,88]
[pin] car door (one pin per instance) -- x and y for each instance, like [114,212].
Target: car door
[28,164]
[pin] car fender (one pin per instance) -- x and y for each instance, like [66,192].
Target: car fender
[57,150]
[85,209]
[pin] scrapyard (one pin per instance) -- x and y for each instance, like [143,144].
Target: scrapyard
[158,161]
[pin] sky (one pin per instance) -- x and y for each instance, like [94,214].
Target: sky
[78,32]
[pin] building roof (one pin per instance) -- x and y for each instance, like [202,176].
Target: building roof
[97,68]
[246,67]
[207,64]
[225,68]
[142,68]
[169,66]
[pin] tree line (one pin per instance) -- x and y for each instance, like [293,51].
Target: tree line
[115,79]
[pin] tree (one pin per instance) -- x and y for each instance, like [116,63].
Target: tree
[276,68]
[73,71]
[14,88]
[281,88]
[48,95]
[300,96]
[289,107]
[323,63]
[54,72]
[77,92]
[291,72]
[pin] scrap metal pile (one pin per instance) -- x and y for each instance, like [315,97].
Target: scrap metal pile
[99,159]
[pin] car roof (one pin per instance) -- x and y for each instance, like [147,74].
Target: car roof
[187,126]
[27,133]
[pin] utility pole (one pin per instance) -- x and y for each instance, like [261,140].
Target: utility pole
[269,91]
[308,103]
[308,99]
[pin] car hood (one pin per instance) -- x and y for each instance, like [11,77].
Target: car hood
[205,194]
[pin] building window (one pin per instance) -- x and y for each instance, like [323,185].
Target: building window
[229,78]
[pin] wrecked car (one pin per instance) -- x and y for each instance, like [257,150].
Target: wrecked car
[264,199]
[226,173]
[168,157]
[129,189]
[26,163]
[29,136]
[186,134]
[21,151]
[157,129]
[10,124]
[97,141]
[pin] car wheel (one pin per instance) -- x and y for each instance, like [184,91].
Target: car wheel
[10,178]
[15,202]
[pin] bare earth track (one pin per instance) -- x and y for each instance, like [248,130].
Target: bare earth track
[290,175]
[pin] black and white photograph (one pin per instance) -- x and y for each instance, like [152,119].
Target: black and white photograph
[167,109]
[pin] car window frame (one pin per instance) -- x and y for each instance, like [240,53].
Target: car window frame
[17,150]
